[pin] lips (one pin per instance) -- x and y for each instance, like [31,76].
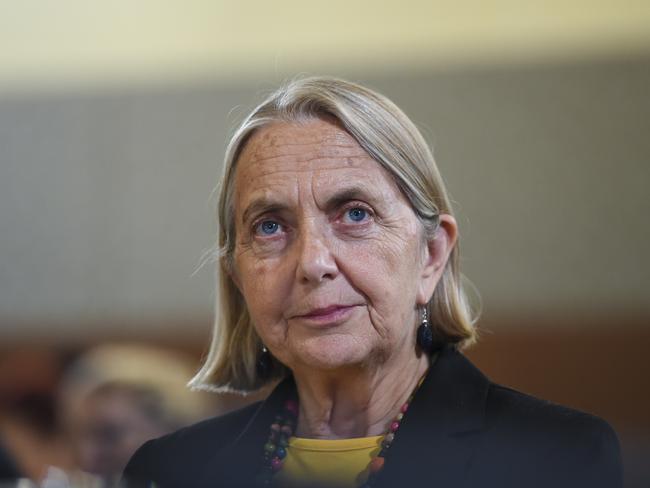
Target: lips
[319,312]
[330,314]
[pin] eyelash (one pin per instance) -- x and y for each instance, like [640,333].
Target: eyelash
[257,227]
[357,205]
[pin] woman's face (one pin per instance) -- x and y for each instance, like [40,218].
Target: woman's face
[329,255]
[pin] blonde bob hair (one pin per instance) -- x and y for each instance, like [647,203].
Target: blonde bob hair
[391,139]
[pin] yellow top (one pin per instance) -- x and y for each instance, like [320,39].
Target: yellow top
[342,463]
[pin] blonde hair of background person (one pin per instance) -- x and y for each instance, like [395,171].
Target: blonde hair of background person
[134,391]
[160,370]
[386,134]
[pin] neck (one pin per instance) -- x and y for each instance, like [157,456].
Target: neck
[355,402]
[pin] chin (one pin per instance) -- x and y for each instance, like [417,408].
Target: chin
[333,351]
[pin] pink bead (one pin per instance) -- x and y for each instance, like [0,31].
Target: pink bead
[276,464]
[394,426]
[404,408]
[376,464]
[291,406]
[286,430]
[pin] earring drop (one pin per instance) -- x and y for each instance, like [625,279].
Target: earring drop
[424,334]
[264,364]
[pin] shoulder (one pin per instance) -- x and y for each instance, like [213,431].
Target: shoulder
[187,450]
[509,408]
[532,431]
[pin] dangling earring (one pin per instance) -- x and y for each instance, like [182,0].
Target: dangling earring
[264,364]
[424,334]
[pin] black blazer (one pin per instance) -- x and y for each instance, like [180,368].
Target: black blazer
[461,430]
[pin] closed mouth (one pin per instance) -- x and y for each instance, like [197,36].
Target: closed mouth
[325,311]
[328,315]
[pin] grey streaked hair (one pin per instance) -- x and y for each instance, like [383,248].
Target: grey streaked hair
[391,139]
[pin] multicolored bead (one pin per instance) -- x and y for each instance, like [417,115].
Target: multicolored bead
[276,464]
[376,464]
[292,407]
[388,439]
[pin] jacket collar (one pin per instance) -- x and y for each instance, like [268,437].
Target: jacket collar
[435,441]
[237,464]
[438,436]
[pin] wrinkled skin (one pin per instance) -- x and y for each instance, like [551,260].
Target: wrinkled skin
[320,224]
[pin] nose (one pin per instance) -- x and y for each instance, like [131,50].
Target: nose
[316,262]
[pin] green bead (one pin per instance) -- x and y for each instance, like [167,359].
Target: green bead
[269,447]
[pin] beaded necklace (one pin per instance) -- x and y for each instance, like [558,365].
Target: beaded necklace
[282,428]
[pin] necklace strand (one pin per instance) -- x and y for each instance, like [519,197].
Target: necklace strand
[282,428]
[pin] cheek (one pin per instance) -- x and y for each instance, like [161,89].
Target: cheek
[384,270]
[265,289]
[394,256]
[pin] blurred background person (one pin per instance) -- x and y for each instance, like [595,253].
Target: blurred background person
[28,419]
[116,397]
[116,418]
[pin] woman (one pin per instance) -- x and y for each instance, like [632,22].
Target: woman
[114,397]
[339,276]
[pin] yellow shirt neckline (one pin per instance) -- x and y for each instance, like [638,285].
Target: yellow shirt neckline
[333,445]
[331,462]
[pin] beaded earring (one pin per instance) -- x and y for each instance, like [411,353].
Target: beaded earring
[264,364]
[424,334]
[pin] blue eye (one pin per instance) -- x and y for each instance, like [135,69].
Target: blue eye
[268,227]
[357,214]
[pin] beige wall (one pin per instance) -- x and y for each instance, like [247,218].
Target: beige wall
[58,44]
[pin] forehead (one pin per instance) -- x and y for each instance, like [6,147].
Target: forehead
[279,155]
[301,144]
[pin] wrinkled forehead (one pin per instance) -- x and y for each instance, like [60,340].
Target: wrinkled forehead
[318,151]
[301,144]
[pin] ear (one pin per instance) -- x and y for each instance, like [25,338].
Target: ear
[436,255]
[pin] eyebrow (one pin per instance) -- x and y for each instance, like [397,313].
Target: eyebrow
[346,194]
[265,204]
[262,205]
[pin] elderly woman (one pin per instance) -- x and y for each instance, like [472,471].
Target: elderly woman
[339,277]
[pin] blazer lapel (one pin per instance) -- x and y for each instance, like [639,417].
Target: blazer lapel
[437,440]
[240,462]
